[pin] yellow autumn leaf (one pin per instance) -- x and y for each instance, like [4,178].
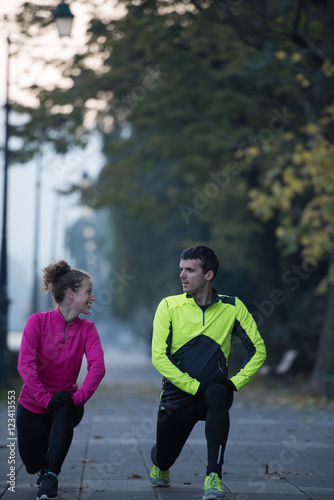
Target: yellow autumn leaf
[297,158]
[328,68]
[299,148]
[322,287]
[326,120]
[285,203]
[280,232]
[296,184]
[310,129]
[307,157]
[277,189]
[296,57]
[287,136]
[239,154]
[306,240]
[252,151]
[280,55]
[305,82]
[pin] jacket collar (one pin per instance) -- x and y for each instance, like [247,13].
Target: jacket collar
[61,318]
[214,299]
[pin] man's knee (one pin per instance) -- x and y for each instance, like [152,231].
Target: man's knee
[164,463]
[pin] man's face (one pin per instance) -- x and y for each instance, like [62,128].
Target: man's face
[193,278]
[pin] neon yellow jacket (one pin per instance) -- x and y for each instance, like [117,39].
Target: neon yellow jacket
[190,344]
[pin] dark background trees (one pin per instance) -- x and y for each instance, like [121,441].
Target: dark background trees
[217,127]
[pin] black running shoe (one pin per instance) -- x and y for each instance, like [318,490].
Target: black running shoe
[48,487]
[40,474]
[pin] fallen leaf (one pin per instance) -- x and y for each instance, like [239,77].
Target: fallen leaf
[82,486]
[134,476]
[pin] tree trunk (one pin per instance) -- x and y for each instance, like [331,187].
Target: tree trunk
[324,363]
[323,94]
[270,304]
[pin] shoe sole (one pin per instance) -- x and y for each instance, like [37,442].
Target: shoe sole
[45,497]
[160,485]
[212,497]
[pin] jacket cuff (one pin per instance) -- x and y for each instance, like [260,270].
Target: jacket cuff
[77,399]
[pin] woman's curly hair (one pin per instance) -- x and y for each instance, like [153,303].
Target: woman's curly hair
[59,277]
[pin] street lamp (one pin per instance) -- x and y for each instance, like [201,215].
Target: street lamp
[64,19]
[62,13]
[4,301]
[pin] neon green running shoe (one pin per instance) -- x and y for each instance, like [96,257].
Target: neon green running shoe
[213,487]
[159,477]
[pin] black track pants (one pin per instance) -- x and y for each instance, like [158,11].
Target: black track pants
[44,440]
[175,426]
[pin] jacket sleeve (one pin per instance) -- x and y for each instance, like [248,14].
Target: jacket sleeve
[161,341]
[95,367]
[28,359]
[245,327]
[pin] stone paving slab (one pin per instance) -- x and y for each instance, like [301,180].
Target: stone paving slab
[273,453]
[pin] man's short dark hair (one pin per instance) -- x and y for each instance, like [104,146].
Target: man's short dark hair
[209,258]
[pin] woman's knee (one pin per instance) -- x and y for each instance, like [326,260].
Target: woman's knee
[78,413]
[33,469]
[64,412]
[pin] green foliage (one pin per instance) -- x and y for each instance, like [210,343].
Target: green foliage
[217,127]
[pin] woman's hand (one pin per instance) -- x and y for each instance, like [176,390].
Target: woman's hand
[61,398]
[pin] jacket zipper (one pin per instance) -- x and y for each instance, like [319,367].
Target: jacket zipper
[205,311]
[65,332]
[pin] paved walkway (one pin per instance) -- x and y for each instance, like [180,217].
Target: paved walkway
[273,452]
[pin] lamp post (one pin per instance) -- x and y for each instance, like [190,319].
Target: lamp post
[4,301]
[64,20]
[61,13]
[35,292]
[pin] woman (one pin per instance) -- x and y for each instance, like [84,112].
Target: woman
[50,357]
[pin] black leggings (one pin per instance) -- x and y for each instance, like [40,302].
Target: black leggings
[44,439]
[175,426]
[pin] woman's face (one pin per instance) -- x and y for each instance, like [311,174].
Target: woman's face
[84,297]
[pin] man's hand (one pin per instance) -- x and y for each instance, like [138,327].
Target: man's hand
[215,379]
[61,398]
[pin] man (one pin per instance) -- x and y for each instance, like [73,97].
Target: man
[191,344]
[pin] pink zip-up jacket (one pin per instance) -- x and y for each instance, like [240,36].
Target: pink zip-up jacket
[50,359]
